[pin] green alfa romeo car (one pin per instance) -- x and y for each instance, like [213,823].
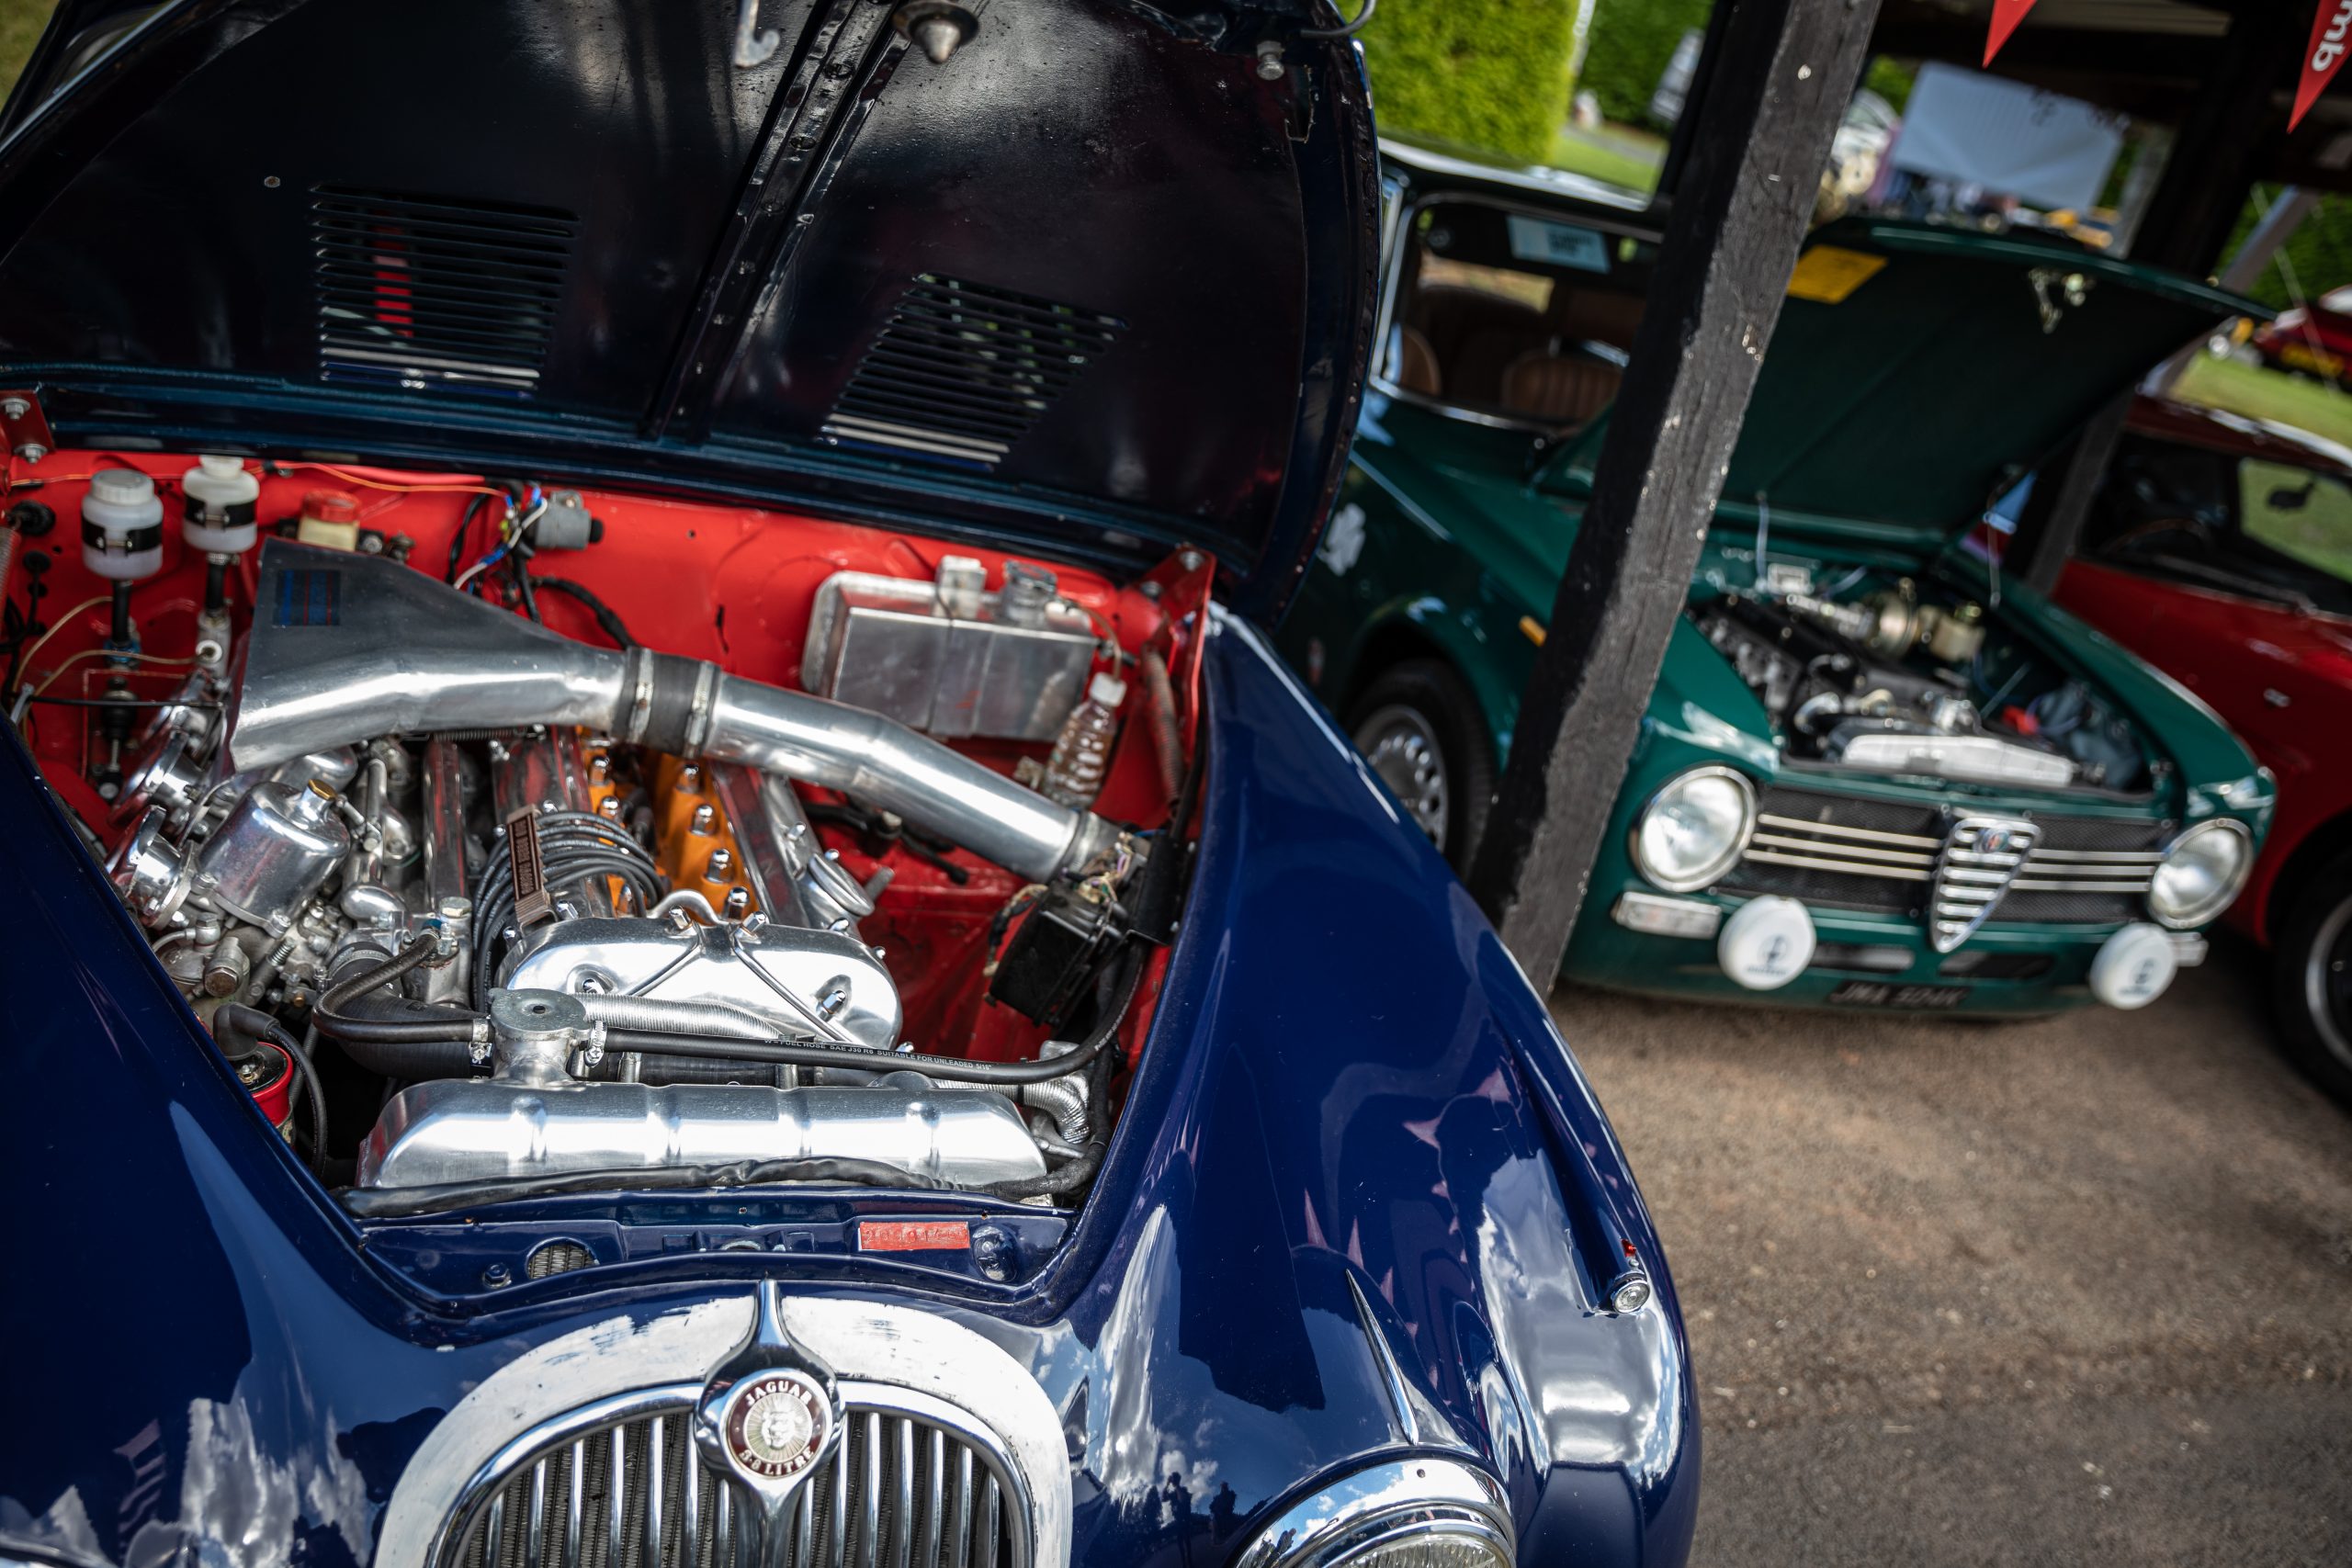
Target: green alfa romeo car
[1874,772]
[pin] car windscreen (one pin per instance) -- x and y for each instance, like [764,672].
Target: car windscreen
[1515,314]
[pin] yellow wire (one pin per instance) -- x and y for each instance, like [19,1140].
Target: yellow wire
[25,659]
[72,659]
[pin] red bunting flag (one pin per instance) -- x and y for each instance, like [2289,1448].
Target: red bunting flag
[2007,15]
[2331,29]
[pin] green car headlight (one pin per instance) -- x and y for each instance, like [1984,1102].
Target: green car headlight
[1414,1513]
[1694,829]
[2200,872]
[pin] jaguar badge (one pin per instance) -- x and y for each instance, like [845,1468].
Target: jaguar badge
[769,1415]
[776,1425]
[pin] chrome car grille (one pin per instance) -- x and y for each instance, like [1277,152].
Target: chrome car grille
[913,1484]
[1846,852]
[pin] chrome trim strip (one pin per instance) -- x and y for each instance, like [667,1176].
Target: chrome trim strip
[1889,873]
[2040,884]
[1892,857]
[1383,1355]
[2112,857]
[1839,830]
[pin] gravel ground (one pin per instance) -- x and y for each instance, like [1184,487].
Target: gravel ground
[2071,1290]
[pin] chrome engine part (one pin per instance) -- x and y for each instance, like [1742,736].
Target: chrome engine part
[465,1129]
[611,886]
[402,653]
[789,980]
[949,658]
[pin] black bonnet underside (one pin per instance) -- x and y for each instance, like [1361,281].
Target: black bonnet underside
[1087,257]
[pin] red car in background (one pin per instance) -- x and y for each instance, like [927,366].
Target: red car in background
[2313,340]
[2220,550]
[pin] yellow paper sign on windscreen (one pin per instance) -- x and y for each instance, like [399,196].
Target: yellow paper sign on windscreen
[1826,274]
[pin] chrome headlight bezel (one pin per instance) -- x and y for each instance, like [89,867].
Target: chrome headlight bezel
[1384,1505]
[2186,918]
[1705,874]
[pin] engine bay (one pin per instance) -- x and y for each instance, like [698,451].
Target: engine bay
[1882,674]
[513,840]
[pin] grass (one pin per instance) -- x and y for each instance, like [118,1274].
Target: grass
[20,25]
[2317,530]
[1616,154]
[2259,392]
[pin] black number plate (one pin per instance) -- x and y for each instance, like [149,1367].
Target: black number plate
[1880,994]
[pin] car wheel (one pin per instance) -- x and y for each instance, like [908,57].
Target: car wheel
[1421,729]
[2312,981]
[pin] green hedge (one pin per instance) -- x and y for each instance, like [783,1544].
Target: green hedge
[1631,43]
[1490,72]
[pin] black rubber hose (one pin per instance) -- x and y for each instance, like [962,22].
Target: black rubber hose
[252,1023]
[380,1202]
[953,1069]
[607,619]
[338,1024]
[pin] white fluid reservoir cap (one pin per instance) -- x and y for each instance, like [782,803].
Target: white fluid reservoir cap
[1107,689]
[121,491]
[2134,967]
[1766,944]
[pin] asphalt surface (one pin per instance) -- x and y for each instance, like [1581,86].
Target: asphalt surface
[2077,1289]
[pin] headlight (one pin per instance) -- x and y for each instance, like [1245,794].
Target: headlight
[1693,830]
[2201,873]
[1414,1513]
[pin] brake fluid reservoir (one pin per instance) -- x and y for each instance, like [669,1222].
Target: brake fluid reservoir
[222,498]
[122,525]
[330,518]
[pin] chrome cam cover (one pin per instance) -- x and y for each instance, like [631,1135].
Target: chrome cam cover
[810,985]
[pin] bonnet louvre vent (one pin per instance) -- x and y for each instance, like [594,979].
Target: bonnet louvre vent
[423,293]
[961,371]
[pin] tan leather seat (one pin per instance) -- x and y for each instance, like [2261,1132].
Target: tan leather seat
[1416,368]
[1559,389]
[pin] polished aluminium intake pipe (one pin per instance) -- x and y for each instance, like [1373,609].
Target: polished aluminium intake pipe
[346,646]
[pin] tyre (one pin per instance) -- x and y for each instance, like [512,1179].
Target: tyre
[2310,986]
[1420,728]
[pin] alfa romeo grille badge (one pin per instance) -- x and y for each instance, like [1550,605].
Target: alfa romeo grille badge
[1981,856]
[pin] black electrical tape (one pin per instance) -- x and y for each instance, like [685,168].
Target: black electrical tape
[668,715]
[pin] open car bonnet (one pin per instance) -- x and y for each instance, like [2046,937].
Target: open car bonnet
[1918,371]
[1089,281]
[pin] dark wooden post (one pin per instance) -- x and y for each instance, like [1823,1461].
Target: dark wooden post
[1785,71]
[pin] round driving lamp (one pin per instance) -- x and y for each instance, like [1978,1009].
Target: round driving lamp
[1694,829]
[2201,872]
[1413,1513]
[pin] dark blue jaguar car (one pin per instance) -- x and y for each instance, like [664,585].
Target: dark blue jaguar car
[664,909]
